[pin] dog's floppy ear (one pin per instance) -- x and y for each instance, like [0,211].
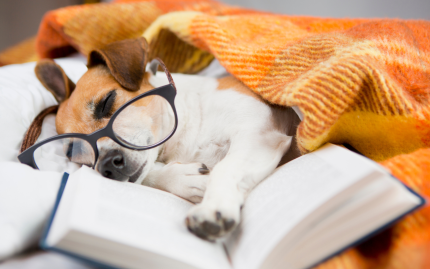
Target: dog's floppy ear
[126,60]
[55,80]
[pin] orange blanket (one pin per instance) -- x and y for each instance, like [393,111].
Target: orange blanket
[365,82]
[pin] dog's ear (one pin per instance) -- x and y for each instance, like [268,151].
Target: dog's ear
[126,60]
[55,80]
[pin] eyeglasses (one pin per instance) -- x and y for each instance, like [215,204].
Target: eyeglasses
[146,121]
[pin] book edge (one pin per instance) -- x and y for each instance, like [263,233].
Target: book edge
[378,230]
[43,241]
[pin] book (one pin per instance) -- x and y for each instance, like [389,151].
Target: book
[305,212]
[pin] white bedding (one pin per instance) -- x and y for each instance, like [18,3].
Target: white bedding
[27,195]
[22,97]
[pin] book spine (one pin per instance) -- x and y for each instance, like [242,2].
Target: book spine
[43,241]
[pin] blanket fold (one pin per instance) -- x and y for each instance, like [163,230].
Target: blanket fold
[346,81]
[86,27]
[365,82]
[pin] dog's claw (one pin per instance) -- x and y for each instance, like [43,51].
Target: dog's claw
[204,170]
[210,229]
[218,215]
[228,224]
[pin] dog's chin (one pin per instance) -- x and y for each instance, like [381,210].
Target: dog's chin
[140,174]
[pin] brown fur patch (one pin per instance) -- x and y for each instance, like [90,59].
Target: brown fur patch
[54,79]
[126,60]
[75,114]
[233,83]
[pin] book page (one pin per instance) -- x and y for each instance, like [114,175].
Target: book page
[370,208]
[141,217]
[292,193]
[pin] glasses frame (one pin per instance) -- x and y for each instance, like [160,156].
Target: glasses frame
[168,92]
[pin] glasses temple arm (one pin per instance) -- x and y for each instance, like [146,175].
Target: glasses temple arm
[153,66]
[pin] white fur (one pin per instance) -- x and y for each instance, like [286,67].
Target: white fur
[234,134]
[239,138]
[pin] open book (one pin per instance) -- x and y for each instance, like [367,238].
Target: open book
[308,210]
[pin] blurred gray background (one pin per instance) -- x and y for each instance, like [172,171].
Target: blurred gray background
[19,19]
[412,9]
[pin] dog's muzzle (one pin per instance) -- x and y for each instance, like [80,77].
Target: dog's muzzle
[113,165]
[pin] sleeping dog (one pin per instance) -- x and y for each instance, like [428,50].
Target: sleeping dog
[227,141]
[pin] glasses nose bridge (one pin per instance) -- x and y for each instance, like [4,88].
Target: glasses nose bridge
[103,133]
[100,134]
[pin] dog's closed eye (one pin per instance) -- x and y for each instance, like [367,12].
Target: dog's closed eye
[103,108]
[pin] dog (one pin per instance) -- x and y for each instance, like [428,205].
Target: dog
[227,141]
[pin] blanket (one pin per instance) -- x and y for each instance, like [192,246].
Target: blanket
[363,82]
[22,52]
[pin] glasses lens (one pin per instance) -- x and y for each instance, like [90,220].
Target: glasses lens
[57,155]
[145,122]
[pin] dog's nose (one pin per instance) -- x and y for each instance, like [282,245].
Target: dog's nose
[113,165]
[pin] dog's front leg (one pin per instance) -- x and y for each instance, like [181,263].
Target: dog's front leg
[184,180]
[247,162]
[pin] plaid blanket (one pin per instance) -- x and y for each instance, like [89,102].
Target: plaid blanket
[365,82]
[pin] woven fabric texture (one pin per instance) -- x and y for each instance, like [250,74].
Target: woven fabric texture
[22,52]
[365,82]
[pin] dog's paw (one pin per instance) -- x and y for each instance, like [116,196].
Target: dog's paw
[187,180]
[210,222]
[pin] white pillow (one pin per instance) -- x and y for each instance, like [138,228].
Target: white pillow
[26,200]
[22,97]
[26,195]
